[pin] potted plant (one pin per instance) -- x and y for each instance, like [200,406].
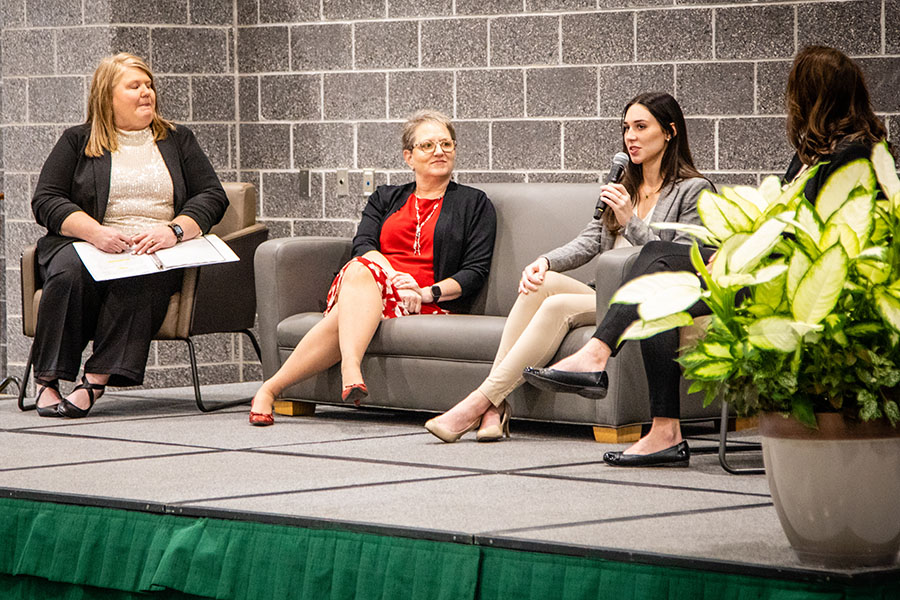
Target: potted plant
[805,331]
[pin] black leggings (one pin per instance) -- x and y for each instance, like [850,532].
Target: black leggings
[120,315]
[660,351]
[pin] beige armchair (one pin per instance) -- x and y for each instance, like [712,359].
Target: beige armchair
[213,298]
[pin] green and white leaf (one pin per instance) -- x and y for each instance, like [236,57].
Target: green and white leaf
[805,329]
[648,287]
[640,330]
[844,235]
[841,184]
[701,233]
[886,171]
[818,291]
[770,190]
[716,350]
[721,215]
[723,256]
[715,370]
[795,188]
[889,308]
[760,244]
[764,275]
[676,298]
[808,220]
[736,280]
[872,264]
[750,201]
[797,268]
[770,294]
[773,333]
[857,213]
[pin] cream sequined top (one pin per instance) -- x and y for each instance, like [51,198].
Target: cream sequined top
[140,186]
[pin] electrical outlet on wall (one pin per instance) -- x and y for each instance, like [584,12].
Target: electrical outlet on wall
[343,182]
[368,181]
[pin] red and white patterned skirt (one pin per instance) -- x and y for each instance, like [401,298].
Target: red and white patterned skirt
[391,303]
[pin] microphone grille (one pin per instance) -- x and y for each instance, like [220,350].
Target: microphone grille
[620,159]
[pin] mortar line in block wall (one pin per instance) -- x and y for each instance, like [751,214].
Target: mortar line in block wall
[796,28]
[883,27]
[534,67]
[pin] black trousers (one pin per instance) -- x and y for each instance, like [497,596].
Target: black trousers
[660,351]
[120,315]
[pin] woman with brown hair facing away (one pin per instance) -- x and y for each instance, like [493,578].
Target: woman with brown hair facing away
[830,123]
[660,184]
[424,247]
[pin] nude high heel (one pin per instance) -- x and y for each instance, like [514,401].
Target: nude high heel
[444,434]
[494,433]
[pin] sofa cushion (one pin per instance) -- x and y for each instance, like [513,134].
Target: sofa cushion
[453,337]
[532,218]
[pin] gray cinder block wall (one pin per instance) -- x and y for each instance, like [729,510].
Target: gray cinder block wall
[283,93]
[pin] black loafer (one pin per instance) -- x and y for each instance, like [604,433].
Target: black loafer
[674,456]
[590,384]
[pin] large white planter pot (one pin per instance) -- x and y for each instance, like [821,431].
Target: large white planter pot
[836,489]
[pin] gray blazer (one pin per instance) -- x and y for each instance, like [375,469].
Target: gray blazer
[679,204]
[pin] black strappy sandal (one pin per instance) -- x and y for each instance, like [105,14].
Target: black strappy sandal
[51,410]
[69,410]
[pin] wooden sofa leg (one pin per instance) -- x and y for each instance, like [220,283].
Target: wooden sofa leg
[742,423]
[295,408]
[617,435]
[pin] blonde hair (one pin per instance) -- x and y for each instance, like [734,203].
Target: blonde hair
[424,116]
[100,104]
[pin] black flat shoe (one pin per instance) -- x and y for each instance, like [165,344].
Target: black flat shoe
[51,410]
[69,410]
[674,456]
[590,384]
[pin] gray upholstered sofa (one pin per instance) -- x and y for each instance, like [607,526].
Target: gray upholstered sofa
[429,362]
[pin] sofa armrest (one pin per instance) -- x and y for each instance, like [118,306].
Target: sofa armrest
[293,276]
[612,266]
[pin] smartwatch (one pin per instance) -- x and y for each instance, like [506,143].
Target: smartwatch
[177,230]
[435,293]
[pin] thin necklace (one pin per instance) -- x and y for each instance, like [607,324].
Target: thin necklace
[645,197]
[417,245]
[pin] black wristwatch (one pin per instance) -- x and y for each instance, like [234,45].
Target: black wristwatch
[435,293]
[177,230]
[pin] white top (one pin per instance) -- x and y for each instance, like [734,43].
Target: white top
[140,186]
[621,242]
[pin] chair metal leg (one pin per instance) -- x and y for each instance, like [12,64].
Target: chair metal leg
[723,447]
[23,384]
[253,341]
[8,380]
[195,377]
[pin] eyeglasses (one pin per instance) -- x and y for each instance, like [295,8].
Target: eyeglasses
[429,146]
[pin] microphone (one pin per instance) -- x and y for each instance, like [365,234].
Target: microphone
[616,171]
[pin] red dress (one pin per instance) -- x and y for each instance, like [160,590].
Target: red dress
[407,241]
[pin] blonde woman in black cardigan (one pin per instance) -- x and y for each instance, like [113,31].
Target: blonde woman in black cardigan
[127,180]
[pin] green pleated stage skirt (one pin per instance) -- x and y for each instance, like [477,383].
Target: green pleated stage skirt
[50,550]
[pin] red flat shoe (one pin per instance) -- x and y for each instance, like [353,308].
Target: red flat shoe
[261,419]
[355,393]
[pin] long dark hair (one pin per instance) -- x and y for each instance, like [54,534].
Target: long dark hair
[676,163]
[827,103]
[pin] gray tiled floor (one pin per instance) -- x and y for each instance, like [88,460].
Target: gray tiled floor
[546,486]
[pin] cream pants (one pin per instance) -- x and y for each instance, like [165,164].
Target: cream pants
[535,328]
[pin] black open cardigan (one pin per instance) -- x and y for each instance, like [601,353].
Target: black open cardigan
[463,235]
[71,181]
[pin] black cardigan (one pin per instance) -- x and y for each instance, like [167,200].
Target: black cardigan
[71,181]
[463,235]
[843,154]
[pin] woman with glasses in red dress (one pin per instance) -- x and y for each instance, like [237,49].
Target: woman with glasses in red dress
[421,248]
